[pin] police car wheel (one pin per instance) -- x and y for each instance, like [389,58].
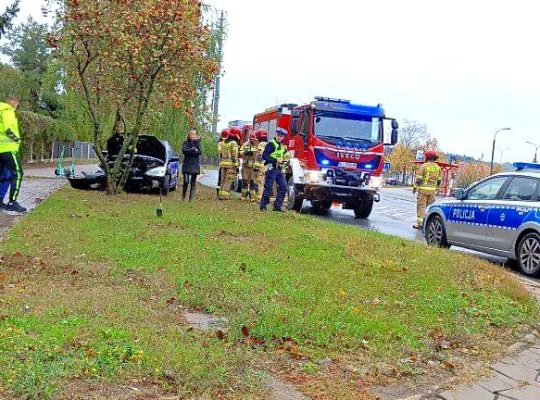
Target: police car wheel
[529,254]
[436,232]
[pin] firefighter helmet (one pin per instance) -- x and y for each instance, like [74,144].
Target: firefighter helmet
[262,135]
[236,133]
[253,136]
[431,155]
[225,134]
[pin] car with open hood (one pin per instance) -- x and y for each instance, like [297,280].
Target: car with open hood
[155,166]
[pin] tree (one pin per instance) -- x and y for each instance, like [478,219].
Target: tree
[6,18]
[401,160]
[413,134]
[130,59]
[29,52]
[471,172]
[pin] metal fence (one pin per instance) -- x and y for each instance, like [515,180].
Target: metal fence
[82,150]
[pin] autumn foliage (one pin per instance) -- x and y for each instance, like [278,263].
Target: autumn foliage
[129,58]
[469,173]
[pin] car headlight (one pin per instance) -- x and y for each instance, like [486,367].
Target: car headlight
[158,172]
[376,182]
[314,177]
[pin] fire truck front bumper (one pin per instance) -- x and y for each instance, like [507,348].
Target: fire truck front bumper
[342,194]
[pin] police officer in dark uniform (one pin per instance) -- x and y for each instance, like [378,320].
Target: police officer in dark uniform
[275,159]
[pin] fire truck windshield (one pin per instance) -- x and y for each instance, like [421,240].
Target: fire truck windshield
[348,126]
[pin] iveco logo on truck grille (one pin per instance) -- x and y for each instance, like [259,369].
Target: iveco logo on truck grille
[348,156]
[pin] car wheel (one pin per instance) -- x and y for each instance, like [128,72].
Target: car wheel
[529,254]
[294,197]
[166,185]
[436,232]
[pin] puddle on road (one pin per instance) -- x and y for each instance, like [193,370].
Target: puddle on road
[204,322]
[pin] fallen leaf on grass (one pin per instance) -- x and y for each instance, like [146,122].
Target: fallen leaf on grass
[243,267]
[449,364]
[245,331]
[187,284]
[220,334]
[170,300]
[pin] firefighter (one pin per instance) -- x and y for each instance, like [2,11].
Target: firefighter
[228,164]
[258,165]
[222,138]
[275,158]
[428,180]
[10,156]
[248,153]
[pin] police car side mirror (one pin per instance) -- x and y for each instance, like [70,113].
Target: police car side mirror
[460,194]
[395,125]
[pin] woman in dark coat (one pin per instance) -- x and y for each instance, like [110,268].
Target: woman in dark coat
[190,166]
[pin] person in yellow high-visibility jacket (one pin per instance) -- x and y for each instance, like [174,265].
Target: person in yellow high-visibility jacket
[428,180]
[10,155]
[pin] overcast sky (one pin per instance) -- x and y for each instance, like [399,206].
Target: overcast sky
[462,67]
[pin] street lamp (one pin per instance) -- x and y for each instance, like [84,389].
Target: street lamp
[502,152]
[493,148]
[536,146]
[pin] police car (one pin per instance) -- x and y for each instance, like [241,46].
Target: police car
[499,215]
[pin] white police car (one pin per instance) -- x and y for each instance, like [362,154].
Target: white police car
[499,215]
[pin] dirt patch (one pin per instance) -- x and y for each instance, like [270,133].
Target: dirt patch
[280,390]
[204,322]
[84,390]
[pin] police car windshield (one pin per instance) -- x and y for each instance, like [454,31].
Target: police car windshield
[348,126]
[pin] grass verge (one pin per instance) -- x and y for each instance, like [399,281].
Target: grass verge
[93,287]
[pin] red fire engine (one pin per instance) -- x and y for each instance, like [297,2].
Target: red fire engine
[337,150]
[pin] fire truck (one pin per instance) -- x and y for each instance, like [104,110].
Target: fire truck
[337,152]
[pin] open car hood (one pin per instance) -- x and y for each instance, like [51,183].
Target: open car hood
[148,146]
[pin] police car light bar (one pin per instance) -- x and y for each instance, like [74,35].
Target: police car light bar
[519,166]
[331,100]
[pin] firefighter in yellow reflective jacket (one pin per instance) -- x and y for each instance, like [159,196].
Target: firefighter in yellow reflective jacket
[10,156]
[224,134]
[228,165]
[258,165]
[428,180]
[248,154]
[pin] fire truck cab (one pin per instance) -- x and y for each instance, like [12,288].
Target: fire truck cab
[337,152]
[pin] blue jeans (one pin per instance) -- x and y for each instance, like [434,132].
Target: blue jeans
[274,175]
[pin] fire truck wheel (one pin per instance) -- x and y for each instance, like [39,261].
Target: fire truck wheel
[321,207]
[295,199]
[363,208]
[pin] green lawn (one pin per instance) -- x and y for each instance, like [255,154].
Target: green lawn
[93,287]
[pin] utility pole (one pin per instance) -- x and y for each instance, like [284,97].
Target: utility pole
[493,148]
[536,146]
[217,81]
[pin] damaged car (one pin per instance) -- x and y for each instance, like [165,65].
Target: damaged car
[155,166]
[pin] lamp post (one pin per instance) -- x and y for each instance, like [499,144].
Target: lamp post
[493,148]
[536,146]
[502,152]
